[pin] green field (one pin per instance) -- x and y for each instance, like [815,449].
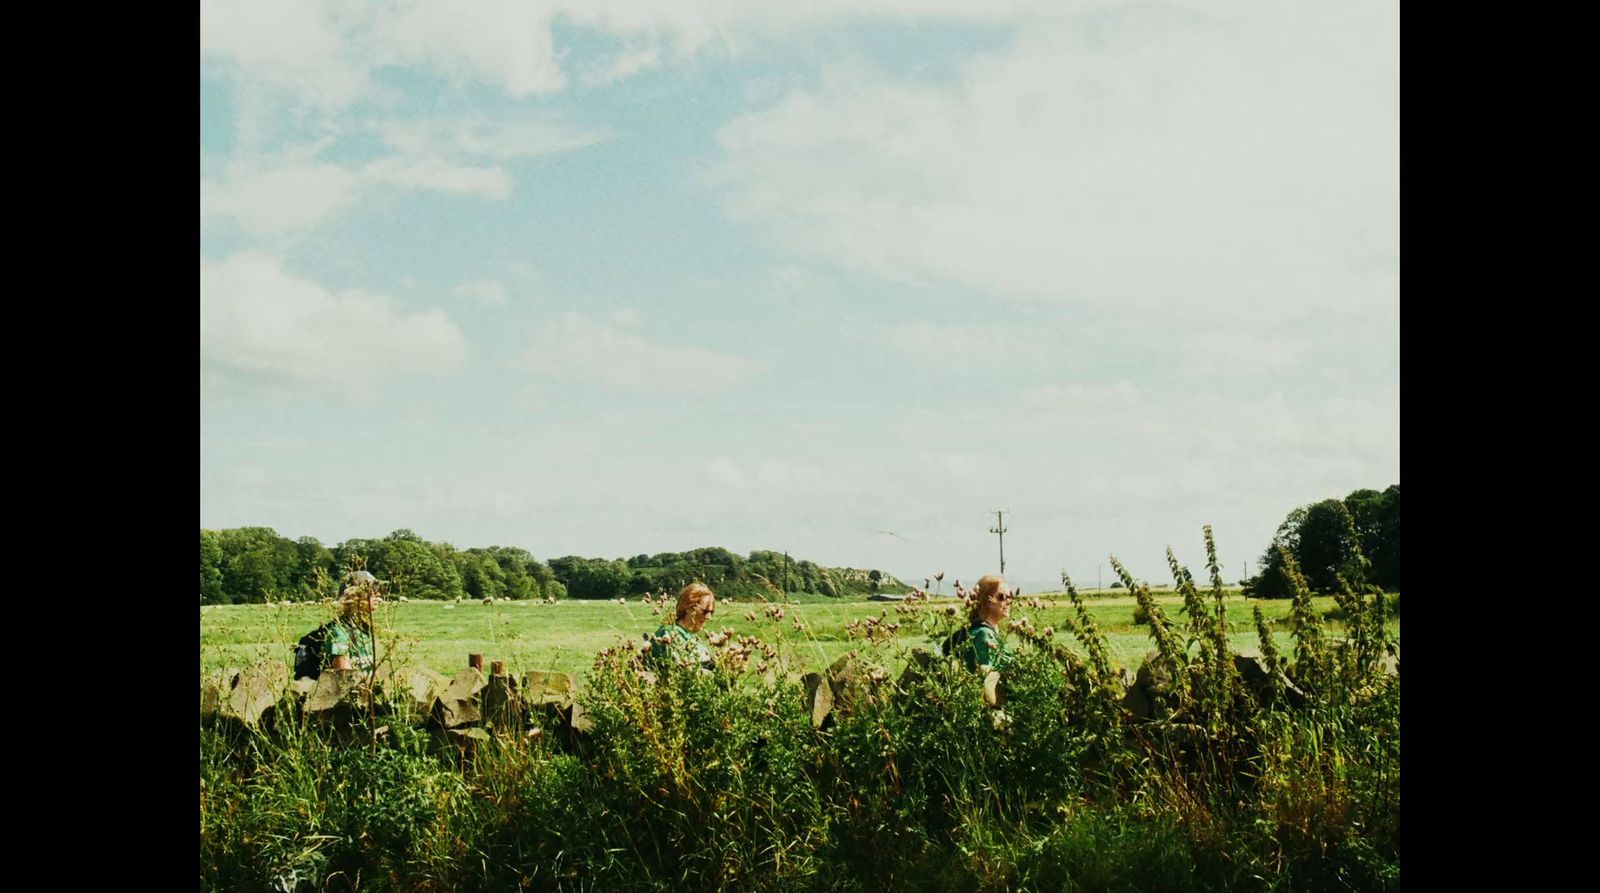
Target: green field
[565,636]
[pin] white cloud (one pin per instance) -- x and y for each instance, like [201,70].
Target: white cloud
[263,327]
[292,188]
[1243,355]
[946,345]
[440,176]
[950,463]
[294,193]
[479,137]
[574,348]
[624,65]
[281,199]
[767,475]
[327,54]
[295,45]
[1247,163]
[1077,399]
[486,291]
[506,43]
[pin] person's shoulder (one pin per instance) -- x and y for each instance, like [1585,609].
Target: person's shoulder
[984,631]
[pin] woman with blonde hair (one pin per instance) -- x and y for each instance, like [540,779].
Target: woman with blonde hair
[991,605]
[677,640]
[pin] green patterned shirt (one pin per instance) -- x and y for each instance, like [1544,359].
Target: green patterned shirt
[672,641]
[351,641]
[987,648]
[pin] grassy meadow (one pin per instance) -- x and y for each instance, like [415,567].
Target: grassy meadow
[566,636]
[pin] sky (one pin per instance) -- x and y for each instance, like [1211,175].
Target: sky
[615,277]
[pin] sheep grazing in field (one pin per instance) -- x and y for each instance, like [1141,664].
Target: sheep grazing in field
[458,599]
[488,599]
[549,599]
[403,599]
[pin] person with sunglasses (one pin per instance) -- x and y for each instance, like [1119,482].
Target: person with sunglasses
[991,605]
[677,642]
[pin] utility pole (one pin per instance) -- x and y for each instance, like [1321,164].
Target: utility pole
[1000,528]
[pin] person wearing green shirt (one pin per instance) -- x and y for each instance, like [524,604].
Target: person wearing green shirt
[677,641]
[349,641]
[991,605]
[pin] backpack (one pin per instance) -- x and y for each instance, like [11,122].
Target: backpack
[954,643]
[308,652]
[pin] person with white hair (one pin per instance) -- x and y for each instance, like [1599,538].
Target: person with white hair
[349,642]
[346,642]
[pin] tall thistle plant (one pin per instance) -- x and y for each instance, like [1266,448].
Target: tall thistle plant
[1310,667]
[1168,647]
[1270,656]
[1084,629]
[1224,678]
[1193,606]
[1106,682]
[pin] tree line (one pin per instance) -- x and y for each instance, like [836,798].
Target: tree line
[1357,537]
[248,565]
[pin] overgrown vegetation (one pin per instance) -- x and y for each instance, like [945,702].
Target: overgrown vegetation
[1274,771]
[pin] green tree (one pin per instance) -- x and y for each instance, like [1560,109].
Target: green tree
[257,564]
[481,576]
[591,578]
[211,588]
[415,570]
[1377,519]
[315,573]
[525,577]
[1327,547]
[1327,540]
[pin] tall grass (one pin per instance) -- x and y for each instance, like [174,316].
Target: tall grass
[697,780]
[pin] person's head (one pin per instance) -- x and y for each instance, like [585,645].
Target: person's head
[696,604]
[991,600]
[359,594]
